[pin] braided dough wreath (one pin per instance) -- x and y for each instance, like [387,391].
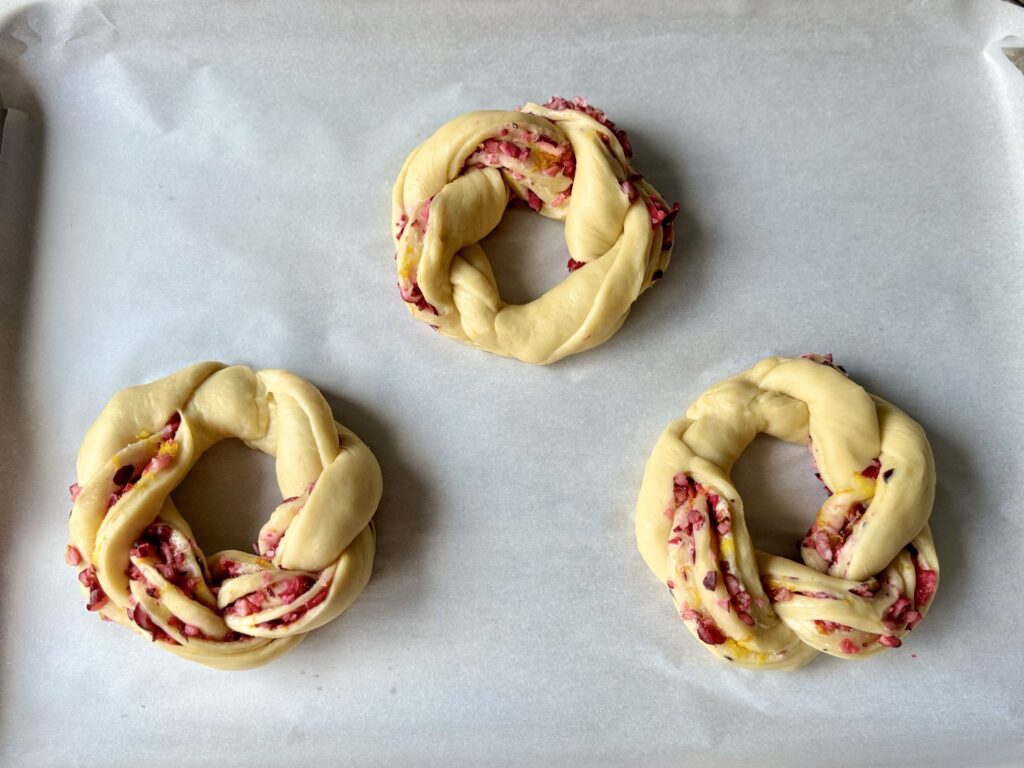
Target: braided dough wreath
[869,567]
[568,162]
[137,559]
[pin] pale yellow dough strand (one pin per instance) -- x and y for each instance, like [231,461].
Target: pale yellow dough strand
[137,558]
[569,164]
[870,568]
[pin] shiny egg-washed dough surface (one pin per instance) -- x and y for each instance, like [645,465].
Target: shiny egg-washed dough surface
[869,567]
[567,165]
[234,610]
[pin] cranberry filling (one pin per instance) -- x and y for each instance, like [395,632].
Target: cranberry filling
[826,359]
[927,581]
[561,197]
[900,615]
[689,494]
[579,104]
[72,556]
[509,150]
[89,580]
[128,475]
[412,295]
[170,429]
[156,543]
[270,540]
[228,568]
[709,632]
[846,645]
[828,543]
[865,590]
[827,627]
[123,475]
[145,622]
[872,469]
[287,592]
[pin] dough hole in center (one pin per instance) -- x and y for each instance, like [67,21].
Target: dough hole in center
[228,495]
[780,494]
[527,253]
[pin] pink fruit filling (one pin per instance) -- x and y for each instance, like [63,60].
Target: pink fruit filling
[828,627]
[707,630]
[511,152]
[828,541]
[188,630]
[128,475]
[817,595]
[156,543]
[561,197]
[579,104]
[927,581]
[866,590]
[269,541]
[72,556]
[89,580]
[698,508]
[283,593]
[408,287]
[411,295]
[826,359]
[872,469]
[145,622]
[228,569]
[900,615]
[846,645]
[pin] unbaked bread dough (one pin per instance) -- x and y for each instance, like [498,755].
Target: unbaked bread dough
[568,162]
[137,559]
[869,568]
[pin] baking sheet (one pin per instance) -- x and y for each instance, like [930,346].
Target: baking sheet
[191,181]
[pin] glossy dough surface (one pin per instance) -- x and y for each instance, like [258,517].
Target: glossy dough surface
[869,567]
[137,559]
[567,162]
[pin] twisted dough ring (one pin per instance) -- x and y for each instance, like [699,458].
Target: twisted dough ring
[870,569]
[137,558]
[568,162]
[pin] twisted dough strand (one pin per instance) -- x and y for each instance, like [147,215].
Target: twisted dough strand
[567,162]
[137,558]
[869,567]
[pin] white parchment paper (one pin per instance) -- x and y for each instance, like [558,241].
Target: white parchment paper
[187,181]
